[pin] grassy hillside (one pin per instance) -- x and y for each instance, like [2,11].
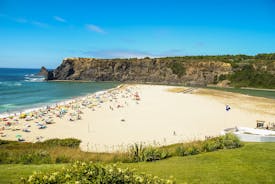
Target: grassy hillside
[253,163]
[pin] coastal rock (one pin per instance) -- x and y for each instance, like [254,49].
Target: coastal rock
[147,70]
[43,72]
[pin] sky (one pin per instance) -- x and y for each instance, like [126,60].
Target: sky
[36,33]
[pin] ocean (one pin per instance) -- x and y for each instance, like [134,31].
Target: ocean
[22,89]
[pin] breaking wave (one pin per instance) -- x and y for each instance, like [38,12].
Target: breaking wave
[10,83]
[33,78]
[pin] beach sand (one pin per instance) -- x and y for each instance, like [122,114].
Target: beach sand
[163,115]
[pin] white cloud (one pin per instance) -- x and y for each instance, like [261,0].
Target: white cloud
[39,24]
[95,28]
[22,20]
[59,19]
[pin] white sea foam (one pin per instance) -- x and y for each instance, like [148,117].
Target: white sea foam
[33,78]
[10,84]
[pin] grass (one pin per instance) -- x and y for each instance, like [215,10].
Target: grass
[12,173]
[252,163]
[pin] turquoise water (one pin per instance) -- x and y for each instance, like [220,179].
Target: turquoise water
[251,92]
[21,89]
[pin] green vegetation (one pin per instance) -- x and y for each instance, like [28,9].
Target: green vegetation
[65,151]
[81,172]
[177,68]
[270,56]
[12,173]
[253,163]
[248,76]
[248,71]
[251,92]
[70,142]
[51,151]
[225,58]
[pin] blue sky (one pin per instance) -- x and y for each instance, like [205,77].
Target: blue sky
[36,33]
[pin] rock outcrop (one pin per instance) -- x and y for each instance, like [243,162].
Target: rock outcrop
[43,72]
[158,70]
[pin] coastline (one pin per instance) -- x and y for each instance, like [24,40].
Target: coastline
[115,118]
[49,103]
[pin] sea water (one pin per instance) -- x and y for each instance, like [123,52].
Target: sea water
[22,89]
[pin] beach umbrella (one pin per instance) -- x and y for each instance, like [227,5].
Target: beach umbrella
[23,115]
[18,136]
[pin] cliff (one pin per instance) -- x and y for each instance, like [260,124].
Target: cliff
[145,70]
[238,70]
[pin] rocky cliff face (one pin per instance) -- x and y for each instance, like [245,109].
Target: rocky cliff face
[141,70]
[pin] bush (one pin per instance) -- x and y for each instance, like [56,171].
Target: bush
[62,159]
[138,153]
[180,150]
[81,172]
[4,142]
[248,76]
[228,141]
[192,150]
[70,142]
[177,68]
[211,145]
[29,157]
[152,154]
[36,157]
[4,157]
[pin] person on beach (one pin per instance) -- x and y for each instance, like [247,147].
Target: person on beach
[227,107]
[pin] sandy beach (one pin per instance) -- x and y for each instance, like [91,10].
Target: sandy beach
[153,114]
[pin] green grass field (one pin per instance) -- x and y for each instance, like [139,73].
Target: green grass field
[253,163]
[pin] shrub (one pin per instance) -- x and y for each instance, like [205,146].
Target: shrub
[4,142]
[227,141]
[211,145]
[62,159]
[192,150]
[70,142]
[35,157]
[152,154]
[29,157]
[230,141]
[4,157]
[81,172]
[180,150]
[138,153]
[177,68]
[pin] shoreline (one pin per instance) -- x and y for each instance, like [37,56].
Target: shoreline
[50,104]
[113,119]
